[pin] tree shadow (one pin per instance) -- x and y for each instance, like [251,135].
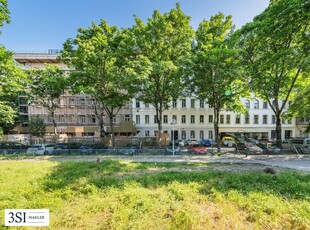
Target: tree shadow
[116,174]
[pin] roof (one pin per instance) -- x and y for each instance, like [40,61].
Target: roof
[36,58]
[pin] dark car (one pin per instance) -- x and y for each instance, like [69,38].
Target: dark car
[86,149]
[72,145]
[12,147]
[205,142]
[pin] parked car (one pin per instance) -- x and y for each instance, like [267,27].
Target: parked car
[205,142]
[72,145]
[227,141]
[12,145]
[41,149]
[197,149]
[86,149]
[240,145]
[171,150]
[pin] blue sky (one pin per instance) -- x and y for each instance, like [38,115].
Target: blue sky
[39,25]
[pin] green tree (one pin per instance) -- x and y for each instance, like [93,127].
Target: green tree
[46,86]
[100,56]
[214,68]
[4,13]
[276,52]
[163,42]
[37,126]
[12,78]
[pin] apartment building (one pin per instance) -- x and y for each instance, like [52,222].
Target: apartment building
[75,115]
[191,118]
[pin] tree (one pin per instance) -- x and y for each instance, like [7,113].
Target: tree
[163,42]
[214,66]
[100,57]
[4,13]
[46,86]
[276,52]
[12,78]
[37,126]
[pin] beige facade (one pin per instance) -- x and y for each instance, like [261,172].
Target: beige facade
[75,115]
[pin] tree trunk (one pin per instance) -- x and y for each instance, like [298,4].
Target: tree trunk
[216,128]
[54,123]
[112,130]
[278,130]
[160,127]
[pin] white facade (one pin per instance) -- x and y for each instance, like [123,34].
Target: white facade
[194,120]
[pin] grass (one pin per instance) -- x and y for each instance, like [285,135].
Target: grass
[128,195]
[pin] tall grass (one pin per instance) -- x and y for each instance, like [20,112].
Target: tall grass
[127,195]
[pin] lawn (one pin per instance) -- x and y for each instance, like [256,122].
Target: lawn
[127,195]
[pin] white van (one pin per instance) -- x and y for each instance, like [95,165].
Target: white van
[299,144]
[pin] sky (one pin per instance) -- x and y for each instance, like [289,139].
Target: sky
[40,25]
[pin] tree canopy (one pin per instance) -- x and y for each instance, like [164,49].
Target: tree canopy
[46,87]
[163,41]
[214,66]
[276,52]
[101,57]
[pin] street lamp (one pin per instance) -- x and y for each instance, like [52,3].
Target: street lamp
[173,123]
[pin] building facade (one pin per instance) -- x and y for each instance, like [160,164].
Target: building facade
[75,115]
[191,118]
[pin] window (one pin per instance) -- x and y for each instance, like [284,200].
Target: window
[247,119]
[137,104]
[201,134]
[155,119]
[273,119]
[114,119]
[147,119]
[192,119]
[174,118]
[221,119]
[183,134]
[193,103]
[201,118]
[265,105]
[192,134]
[174,103]
[83,119]
[147,133]
[202,103]
[127,117]
[165,119]
[289,121]
[93,119]
[147,105]
[256,104]
[183,119]
[256,119]
[228,119]
[82,102]
[183,103]
[137,119]
[265,119]
[238,119]
[211,118]
[70,119]
[61,119]
[71,102]
[247,104]
[210,134]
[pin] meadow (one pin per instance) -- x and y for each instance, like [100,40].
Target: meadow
[127,195]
